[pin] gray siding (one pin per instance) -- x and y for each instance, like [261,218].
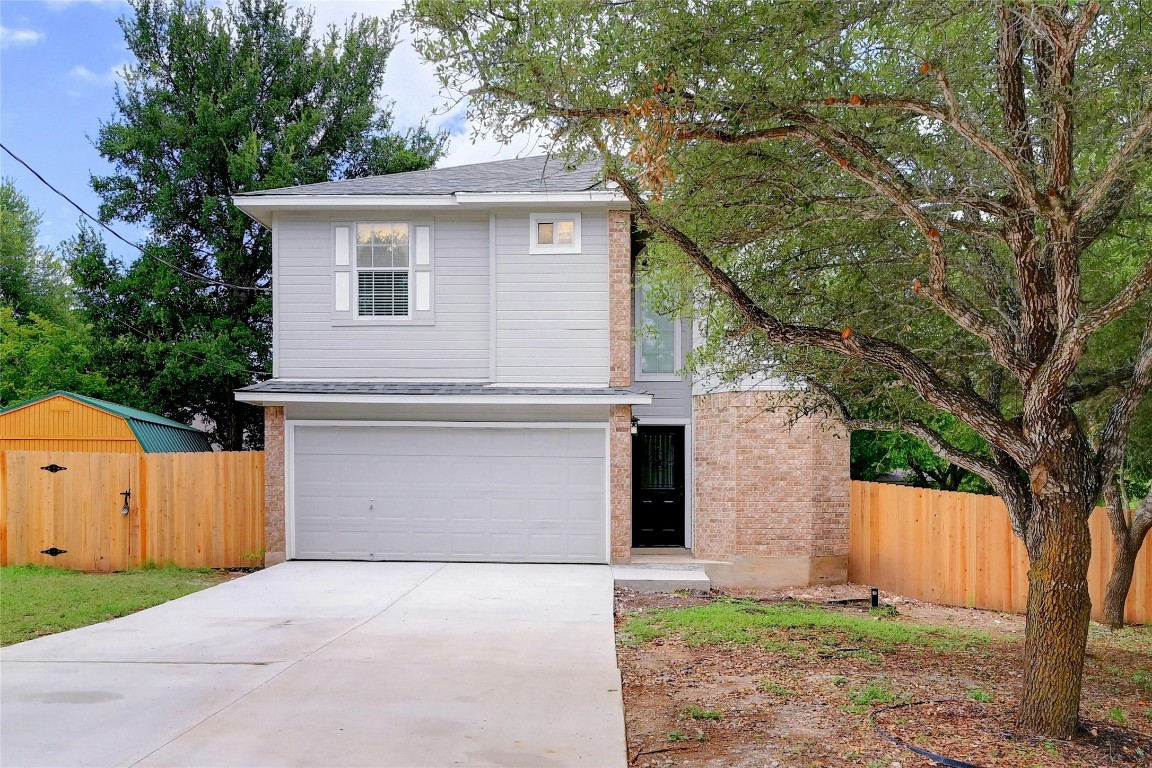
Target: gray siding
[671,400]
[311,345]
[551,309]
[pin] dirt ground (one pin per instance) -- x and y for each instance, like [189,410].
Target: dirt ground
[762,708]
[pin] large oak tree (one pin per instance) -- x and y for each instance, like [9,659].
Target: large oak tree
[902,203]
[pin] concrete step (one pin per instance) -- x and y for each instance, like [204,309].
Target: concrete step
[662,577]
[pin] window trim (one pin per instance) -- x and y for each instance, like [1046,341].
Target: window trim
[535,219]
[357,270]
[638,351]
[352,317]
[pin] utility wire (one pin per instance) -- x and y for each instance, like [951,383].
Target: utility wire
[118,236]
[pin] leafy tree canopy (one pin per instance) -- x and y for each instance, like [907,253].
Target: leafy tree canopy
[32,279]
[913,208]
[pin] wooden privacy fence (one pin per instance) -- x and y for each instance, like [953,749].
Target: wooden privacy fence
[197,510]
[959,549]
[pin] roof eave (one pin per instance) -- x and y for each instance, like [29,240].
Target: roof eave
[260,207]
[288,398]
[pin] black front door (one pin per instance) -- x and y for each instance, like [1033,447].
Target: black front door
[658,487]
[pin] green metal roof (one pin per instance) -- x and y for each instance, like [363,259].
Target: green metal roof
[155,434]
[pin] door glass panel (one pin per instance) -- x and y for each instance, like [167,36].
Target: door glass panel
[658,471]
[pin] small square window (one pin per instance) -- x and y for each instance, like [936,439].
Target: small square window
[555,233]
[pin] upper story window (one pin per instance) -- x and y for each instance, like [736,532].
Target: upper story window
[658,345]
[383,271]
[555,233]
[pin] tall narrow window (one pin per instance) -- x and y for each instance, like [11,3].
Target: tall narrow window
[658,339]
[382,269]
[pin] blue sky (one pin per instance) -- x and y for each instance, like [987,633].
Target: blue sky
[58,70]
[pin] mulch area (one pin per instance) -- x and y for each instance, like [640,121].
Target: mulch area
[780,709]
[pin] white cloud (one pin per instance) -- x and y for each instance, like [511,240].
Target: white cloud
[82,74]
[11,38]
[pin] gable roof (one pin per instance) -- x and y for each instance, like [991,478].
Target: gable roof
[541,174]
[155,434]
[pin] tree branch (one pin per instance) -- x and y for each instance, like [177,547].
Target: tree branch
[1114,435]
[919,375]
[972,462]
[1124,300]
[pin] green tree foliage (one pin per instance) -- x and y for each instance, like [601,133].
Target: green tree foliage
[32,279]
[220,100]
[877,455]
[44,344]
[908,207]
[38,356]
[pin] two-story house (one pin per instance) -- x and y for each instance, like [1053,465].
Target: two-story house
[456,376]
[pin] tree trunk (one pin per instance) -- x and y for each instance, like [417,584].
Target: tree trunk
[1127,538]
[1059,609]
[1119,583]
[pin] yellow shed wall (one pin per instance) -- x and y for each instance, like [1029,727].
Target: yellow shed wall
[62,424]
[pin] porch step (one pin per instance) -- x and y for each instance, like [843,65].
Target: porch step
[661,577]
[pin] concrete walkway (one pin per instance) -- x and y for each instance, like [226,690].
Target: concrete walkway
[332,664]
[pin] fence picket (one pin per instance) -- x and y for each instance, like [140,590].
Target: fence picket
[975,558]
[197,510]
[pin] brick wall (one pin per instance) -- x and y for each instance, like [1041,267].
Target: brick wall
[764,488]
[274,547]
[620,298]
[620,375]
[620,479]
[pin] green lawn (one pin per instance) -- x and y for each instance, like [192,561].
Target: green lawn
[36,601]
[789,627]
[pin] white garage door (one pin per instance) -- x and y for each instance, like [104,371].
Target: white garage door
[450,493]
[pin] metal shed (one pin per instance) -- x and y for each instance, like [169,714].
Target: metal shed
[65,421]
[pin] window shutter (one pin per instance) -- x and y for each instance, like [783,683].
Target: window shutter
[422,271]
[342,271]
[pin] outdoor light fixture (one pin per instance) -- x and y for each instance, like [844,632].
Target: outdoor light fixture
[127,495]
[635,425]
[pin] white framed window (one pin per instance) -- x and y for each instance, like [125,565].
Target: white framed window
[382,271]
[658,342]
[554,233]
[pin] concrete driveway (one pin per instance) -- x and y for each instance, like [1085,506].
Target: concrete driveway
[333,664]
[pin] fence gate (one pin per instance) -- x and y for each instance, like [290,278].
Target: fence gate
[111,511]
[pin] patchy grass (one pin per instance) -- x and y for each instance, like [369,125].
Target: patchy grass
[775,689]
[36,600]
[697,713]
[800,684]
[870,696]
[789,627]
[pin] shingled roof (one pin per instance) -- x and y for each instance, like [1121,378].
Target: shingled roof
[529,174]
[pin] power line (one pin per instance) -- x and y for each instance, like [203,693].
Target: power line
[118,236]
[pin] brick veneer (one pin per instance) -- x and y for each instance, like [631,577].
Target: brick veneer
[620,298]
[274,546]
[620,375]
[765,489]
[620,479]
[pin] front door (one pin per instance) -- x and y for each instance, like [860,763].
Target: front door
[658,487]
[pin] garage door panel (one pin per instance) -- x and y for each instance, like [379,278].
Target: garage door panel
[450,493]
